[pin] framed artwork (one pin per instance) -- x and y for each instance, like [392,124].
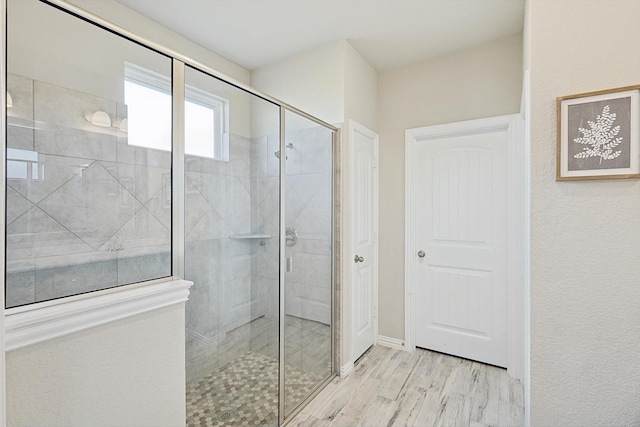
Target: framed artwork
[598,135]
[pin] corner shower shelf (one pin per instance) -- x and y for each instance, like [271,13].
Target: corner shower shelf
[250,236]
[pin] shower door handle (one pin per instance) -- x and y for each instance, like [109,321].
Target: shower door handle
[358,259]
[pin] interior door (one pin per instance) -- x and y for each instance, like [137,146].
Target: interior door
[461,241]
[364,238]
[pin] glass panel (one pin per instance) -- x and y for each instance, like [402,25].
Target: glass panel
[231,255]
[308,237]
[85,209]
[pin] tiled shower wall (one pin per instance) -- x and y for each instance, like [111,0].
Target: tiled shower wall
[223,298]
[85,210]
[308,211]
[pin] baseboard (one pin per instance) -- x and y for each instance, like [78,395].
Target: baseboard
[391,342]
[346,369]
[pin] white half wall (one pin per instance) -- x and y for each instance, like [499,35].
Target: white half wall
[129,373]
[585,236]
[484,81]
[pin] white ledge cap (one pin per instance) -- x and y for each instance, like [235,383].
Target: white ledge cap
[36,323]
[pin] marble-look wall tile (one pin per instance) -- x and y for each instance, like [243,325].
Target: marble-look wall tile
[131,154]
[77,220]
[237,204]
[91,205]
[58,109]
[238,303]
[132,269]
[143,230]
[258,152]
[239,157]
[16,205]
[265,261]
[20,115]
[273,163]
[76,143]
[196,209]
[66,130]
[53,172]
[204,165]
[201,355]
[20,288]
[160,204]
[308,210]
[203,263]
[35,234]
[293,163]
[72,279]
[210,186]
[317,150]
[143,182]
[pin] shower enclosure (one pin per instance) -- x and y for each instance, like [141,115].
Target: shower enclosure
[258,247]
[128,163]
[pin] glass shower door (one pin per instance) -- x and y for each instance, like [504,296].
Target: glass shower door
[231,254]
[308,251]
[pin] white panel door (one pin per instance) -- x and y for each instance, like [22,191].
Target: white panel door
[364,230]
[461,226]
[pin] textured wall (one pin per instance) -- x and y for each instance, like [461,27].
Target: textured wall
[585,236]
[103,376]
[480,82]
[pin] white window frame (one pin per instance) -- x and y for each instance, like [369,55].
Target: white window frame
[220,106]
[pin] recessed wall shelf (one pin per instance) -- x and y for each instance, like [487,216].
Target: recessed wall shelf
[250,236]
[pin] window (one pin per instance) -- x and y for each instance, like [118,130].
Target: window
[148,95]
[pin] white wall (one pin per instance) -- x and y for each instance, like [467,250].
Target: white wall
[483,81]
[312,81]
[360,89]
[128,373]
[585,236]
[121,15]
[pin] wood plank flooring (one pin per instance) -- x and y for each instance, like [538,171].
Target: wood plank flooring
[396,388]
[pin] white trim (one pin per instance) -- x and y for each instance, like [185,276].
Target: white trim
[516,202]
[38,323]
[409,240]
[3,191]
[526,326]
[187,93]
[391,342]
[516,224]
[346,369]
[353,128]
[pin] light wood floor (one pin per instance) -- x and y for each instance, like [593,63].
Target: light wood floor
[396,388]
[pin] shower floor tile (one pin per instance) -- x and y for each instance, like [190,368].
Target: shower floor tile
[245,392]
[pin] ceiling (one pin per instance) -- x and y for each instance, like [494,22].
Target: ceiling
[388,33]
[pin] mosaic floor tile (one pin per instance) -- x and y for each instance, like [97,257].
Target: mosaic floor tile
[245,393]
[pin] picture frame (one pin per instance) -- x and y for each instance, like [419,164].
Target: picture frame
[599,135]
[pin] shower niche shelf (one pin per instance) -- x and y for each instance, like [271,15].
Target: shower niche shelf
[250,236]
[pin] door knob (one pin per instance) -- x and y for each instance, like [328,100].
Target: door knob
[421,254]
[358,259]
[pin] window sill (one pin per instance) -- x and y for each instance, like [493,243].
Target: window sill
[36,323]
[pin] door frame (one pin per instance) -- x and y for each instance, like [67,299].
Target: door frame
[516,232]
[355,127]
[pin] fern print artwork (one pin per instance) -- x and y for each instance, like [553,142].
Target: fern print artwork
[599,135]
[601,138]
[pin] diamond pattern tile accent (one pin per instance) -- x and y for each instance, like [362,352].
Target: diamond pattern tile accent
[93,205]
